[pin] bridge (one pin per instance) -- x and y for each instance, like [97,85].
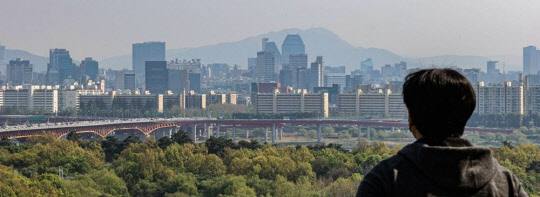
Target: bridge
[202,128]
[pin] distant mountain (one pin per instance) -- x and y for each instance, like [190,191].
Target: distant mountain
[510,63]
[318,41]
[39,62]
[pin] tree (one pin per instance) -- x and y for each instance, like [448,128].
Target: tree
[164,142]
[228,185]
[5,141]
[312,134]
[217,145]
[73,136]
[328,130]
[181,137]
[111,147]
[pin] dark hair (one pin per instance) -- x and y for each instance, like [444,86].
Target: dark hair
[440,101]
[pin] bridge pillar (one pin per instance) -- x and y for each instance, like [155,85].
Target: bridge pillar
[234,134]
[194,133]
[280,130]
[368,133]
[171,131]
[273,133]
[319,133]
[392,129]
[265,134]
[247,134]
[217,130]
[359,132]
[206,134]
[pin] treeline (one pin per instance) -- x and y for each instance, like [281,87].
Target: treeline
[296,115]
[44,166]
[509,120]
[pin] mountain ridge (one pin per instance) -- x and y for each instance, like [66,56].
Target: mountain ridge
[318,41]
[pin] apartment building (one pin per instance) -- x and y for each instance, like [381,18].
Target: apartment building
[299,101]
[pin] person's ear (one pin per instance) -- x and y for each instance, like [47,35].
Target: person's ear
[412,127]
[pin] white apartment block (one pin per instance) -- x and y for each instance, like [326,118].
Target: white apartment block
[380,103]
[44,99]
[18,98]
[502,98]
[301,101]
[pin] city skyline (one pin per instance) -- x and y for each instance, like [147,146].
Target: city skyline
[484,29]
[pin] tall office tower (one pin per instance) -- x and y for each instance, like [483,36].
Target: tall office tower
[317,73]
[271,46]
[89,69]
[265,68]
[492,72]
[366,66]
[473,74]
[146,51]
[219,69]
[297,61]
[124,80]
[531,60]
[19,72]
[2,52]
[264,41]
[286,76]
[184,80]
[293,44]
[60,66]
[252,63]
[304,78]
[195,82]
[179,80]
[156,77]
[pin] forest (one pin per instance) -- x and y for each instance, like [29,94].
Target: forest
[45,166]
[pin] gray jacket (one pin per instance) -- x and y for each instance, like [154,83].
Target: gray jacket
[440,168]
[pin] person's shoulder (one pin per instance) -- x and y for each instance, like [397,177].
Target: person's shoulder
[380,179]
[504,177]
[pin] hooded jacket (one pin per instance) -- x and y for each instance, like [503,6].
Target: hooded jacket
[440,168]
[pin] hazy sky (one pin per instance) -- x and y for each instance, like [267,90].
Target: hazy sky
[104,28]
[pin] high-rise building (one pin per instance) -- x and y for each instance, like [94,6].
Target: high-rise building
[286,76]
[293,44]
[146,51]
[89,69]
[156,77]
[271,46]
[266,66]
[499,98]
[19,72]
[264,41]
[60,67]
[492,72]
[2,52]
[252,63]
[179,80]
[124,80]
[301,101]
[473,74]
[366,66]
[317,73]
[195,82]
[531,60]
[298,61]
[219,69]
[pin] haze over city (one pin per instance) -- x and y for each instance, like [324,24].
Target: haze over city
[175,98]
[423,28]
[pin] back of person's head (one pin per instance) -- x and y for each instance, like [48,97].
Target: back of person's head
[440,101]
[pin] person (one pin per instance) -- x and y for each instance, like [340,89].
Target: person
[439,162]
